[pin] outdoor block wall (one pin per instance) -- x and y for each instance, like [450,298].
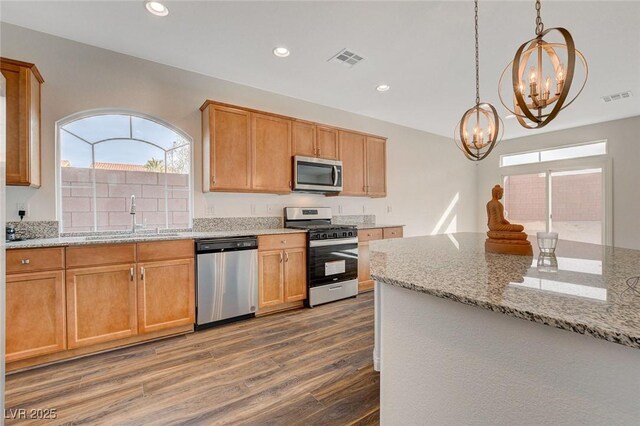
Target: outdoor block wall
[575,197]
[157,205]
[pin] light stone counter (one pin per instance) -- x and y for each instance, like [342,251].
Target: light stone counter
[595,290]
[143,237]
[464,337]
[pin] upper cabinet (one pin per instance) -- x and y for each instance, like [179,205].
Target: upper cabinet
[226,149]
[23,82]
[271,152]
[245,150]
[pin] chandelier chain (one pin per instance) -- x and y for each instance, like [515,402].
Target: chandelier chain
[477,57]
[539,24]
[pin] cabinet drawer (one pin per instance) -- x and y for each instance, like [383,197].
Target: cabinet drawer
[281,241]
[165,250]
[34,260]
[370,234]
[392,232]
[102,254]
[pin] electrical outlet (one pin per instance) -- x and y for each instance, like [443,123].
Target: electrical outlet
[389,209]
[211,210]
[22,207]
[270,208]
[253,209]
[364,208]
[340,209]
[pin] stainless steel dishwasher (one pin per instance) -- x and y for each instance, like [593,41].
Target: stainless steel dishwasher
[227,287]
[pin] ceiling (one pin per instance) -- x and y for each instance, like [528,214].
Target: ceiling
[424,50]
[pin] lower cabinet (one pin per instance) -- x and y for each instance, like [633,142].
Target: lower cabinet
[282,275]
[365,283]
[166,294]
[101,304]
[35,322]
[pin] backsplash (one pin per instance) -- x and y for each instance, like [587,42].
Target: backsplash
[209,224]
[355,219]
[36,229]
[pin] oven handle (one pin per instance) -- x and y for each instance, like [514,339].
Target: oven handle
[334,173]
[340,242]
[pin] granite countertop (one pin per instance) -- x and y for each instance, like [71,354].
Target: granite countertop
[594,291]
[377,225]
[142,237]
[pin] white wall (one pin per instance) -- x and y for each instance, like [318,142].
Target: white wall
[425,172]
[623,149]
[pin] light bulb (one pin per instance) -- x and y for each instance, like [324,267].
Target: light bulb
[547,84]
[532,75]
[560,72]
[522,90]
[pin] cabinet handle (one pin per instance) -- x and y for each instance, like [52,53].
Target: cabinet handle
[142,273]
[280,257]
[290,186]
[213,181]
[318,152]
[25,261]
[286,259]
[284,241]
[131,274]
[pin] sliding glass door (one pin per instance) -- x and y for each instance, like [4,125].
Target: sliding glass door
[570,201]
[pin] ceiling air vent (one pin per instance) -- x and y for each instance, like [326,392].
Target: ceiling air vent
[617,96]
[346,58]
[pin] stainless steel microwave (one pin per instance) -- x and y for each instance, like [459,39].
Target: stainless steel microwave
[316,174]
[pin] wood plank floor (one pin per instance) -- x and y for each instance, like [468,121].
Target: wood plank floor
[309,366]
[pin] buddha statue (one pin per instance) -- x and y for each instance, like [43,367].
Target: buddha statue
[504,237]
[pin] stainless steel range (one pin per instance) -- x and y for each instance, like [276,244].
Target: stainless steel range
[332,254]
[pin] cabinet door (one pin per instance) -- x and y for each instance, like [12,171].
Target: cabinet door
[303,138]
[353,156]
[101,304]
[270,278]
[327,143]
[295,274]
[35,315]
[364,275]
[271,143]
[230,150]
[166,295]
[376,167]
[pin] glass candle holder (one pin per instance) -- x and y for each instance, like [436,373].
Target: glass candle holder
[547,242]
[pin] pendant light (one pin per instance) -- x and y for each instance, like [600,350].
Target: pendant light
[538,101]
[480,128]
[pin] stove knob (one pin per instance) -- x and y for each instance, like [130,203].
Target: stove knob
[335,235]
[344,234]
[323,236]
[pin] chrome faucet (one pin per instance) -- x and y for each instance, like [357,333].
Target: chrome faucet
[132,212]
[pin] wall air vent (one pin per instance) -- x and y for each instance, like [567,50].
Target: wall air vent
[617,96]
[346,58]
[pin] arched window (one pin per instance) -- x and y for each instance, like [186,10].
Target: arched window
[105,157]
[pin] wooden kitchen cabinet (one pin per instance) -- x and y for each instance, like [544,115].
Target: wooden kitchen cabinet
[303,138]
[365,283]
[101,304]
[270,278]
[271,152]
[166,294]
[23,81]
[295,274]
[226,149]
[376,167]
[246,150]
[35,314]
[282,272]
[327,143]
[353,153]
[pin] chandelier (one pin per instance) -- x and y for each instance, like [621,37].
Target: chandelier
[538,101]
[480,128]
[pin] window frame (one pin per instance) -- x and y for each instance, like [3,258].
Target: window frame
[554,148]
[59,124]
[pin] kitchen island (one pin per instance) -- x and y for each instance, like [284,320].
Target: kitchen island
[468,337]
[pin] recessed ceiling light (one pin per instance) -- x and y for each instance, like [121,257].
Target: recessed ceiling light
[510,116]
[156,8]
[383,87]
[281,52]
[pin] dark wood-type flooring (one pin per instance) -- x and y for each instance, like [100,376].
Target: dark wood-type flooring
[309,366]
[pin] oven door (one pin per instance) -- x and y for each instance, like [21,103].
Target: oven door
[317,174]
[332,261]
